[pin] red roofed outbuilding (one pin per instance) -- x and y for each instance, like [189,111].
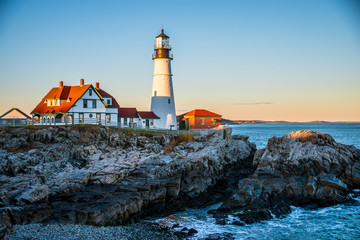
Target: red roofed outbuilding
[199,119]
[131,117]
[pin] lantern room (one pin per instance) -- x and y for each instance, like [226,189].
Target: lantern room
[162,41]
[162,46]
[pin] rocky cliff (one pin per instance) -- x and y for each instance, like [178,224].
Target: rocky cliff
[304,168]
[105,176]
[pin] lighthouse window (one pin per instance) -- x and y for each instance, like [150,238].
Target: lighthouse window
[169,100]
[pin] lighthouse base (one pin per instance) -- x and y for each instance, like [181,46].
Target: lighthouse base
[164,108]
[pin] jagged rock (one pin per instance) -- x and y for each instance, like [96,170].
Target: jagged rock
[33,195]
[3,231]
[355,174]
[304,167]
[311,136]
[332,181]
[192,231]
[106,176]
[219,236]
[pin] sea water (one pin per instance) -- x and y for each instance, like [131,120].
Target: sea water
[336,222]
[346,133]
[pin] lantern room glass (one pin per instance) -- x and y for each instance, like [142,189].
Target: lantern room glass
[162,42]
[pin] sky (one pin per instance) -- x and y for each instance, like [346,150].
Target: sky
[293,60]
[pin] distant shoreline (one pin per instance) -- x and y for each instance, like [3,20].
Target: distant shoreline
[239,122]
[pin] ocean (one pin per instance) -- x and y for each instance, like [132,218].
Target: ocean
[336,222]
[346,133]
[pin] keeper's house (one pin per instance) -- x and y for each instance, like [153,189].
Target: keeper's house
[14,117]
[199,119]
[82,104]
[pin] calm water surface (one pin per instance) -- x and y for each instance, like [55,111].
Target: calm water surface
[346,133]
[336,222]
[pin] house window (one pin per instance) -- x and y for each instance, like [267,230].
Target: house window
[108,118]
[85,103]
[202,121]
[81,117]
[98,118]
[169,100]
[90,92]
[90,115]
[213,121]
[69,119]
[151,122]
[93,103]
[108,101]
[125,121]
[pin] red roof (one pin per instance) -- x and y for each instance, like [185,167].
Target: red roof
[114,103]
[201,113]
[16,109]
[71,93]
[144,114]
[128,112]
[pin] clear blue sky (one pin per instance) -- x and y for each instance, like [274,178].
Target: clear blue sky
[270,60]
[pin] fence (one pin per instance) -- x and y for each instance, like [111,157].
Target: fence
[72,121]
[14,122]
[94,121]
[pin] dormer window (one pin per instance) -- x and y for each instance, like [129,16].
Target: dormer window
[90,92]
[108,101]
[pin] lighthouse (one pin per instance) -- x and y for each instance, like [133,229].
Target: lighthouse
[162,101]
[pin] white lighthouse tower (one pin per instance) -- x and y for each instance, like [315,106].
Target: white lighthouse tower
[162,101]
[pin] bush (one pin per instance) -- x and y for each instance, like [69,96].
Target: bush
[183,138]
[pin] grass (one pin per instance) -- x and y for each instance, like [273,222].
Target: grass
[85,129]
[175,141]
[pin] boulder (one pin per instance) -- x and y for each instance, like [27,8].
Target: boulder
[33,194]
[332,182]
[302,168]
[3,231]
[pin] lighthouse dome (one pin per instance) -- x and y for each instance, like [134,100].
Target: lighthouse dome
[162,34]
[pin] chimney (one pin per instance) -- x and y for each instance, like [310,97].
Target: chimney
[81,82]
[97,85]
[61,84]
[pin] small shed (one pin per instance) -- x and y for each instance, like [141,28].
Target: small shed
[199,119]
[14,117]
